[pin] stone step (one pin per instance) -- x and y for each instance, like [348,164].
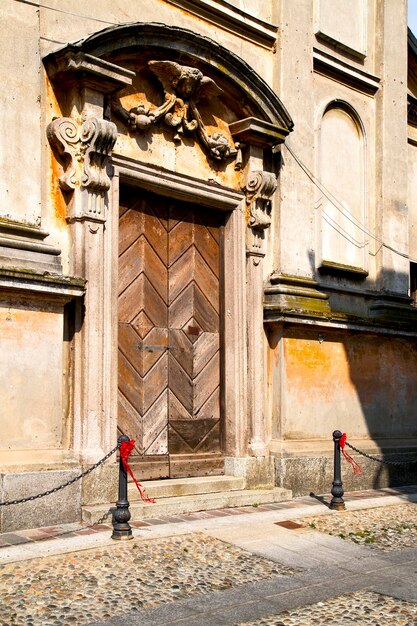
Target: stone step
[175,505]
[173,487]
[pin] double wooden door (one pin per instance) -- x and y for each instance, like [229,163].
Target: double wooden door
[169,335]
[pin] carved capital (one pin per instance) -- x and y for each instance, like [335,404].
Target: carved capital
[259,187]
[84,149]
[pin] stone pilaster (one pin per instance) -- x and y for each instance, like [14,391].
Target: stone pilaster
[259,187]
[83,142]
[85,149]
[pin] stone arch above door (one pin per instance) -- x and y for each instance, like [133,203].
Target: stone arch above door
[144,77]
[169,90]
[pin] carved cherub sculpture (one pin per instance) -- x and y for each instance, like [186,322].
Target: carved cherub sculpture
[184,82]
[183,87]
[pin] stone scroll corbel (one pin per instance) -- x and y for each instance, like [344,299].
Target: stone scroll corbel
[84,150]
[259,187]
[183,87]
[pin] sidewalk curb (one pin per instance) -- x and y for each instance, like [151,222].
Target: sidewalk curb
[287,511]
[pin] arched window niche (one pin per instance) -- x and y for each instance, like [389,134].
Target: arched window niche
[342,191]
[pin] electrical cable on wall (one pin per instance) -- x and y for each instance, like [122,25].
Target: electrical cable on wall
[344,211]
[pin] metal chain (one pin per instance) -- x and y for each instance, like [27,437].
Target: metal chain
[69,482]
[374,458]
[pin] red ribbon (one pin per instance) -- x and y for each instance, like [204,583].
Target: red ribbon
[126,448]
[356,467]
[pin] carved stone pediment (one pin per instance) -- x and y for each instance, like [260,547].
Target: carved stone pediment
[183,87]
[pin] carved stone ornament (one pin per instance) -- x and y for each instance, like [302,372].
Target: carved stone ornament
[86,148]
[183,87]
[259,187]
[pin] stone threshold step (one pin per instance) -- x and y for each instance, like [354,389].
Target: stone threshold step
[191,503]
[173,487]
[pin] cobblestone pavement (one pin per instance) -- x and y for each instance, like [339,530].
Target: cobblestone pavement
[386,528]
[182,571]
[80,587]
[362,608]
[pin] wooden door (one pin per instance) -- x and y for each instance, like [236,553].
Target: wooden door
[169,335]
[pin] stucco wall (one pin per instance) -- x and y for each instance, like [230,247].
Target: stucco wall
[360,383]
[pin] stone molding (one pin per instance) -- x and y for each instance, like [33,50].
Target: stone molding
[183,87]
[295,299]
[232,19]
[45,285]
[22,246]
[300,295]
[259,188]
[256,132]
[176,185]
[73,67]
[345,73]
[90,145]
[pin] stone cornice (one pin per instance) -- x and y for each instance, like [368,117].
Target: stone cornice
[75,67]
[300,300]
[179,186]
[215,60]
[44,284]
[257,132]
[232,19]
[345,73]
[412,110]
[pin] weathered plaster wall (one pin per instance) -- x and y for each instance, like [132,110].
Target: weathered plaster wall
[312,71]
[20,130]
[360,383]
[293,80]
[31,368]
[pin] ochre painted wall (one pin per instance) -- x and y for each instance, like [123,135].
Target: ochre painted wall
[358,382]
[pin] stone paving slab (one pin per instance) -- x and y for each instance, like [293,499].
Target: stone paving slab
[362,607]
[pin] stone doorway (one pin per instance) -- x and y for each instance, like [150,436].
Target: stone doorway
[170,334]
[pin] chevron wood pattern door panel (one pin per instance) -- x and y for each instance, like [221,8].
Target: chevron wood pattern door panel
[169,335]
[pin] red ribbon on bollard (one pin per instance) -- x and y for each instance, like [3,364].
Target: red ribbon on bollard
[356,467]
[126,448]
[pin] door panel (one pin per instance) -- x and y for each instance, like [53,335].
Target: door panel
[169,335]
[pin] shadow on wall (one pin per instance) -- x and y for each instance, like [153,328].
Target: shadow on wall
[361,381]
[382,369]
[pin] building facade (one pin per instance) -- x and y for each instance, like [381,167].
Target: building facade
[207,242]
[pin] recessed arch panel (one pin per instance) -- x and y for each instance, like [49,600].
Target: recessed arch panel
[342,174]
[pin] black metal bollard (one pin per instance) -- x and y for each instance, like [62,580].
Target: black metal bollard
[337,503]
[121,516]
